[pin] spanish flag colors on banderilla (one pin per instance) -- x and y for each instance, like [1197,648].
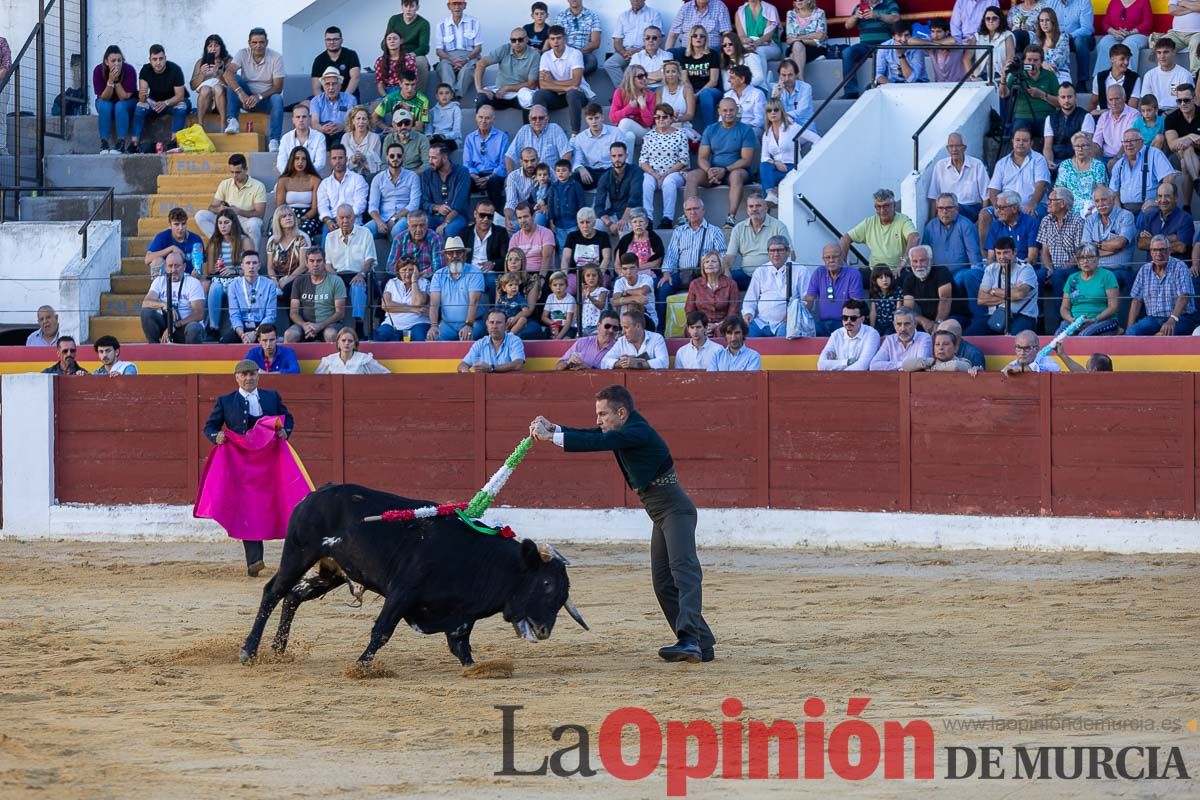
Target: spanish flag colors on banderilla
[468,512]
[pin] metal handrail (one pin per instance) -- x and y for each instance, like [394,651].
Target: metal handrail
[833,228]
[109,199]
[83,230]
[916,137]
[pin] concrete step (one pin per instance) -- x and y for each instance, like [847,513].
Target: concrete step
[199,163]
[190,184]
[159,205]
[135,246]
[126,174]
[122,305]
[260,122]
[239,142]
[127,329]
[61,207]
[150,226]
[131,284]
[134,265]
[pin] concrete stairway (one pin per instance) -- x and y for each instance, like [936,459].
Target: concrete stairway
[188,182]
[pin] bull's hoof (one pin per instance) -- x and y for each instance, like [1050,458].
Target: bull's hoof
[245,656]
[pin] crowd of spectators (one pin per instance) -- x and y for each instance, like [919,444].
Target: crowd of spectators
[543,231]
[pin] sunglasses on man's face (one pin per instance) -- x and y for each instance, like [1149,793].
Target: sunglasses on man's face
[611,327]
[850,317]
[517,40]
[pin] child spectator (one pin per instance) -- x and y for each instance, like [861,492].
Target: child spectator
[541,195]
[885,296]
[511,301]
[558,314]
[595,300]
[445,118]
[1150,125]
[407,97]
[635,289]
[538,31]
[563,201]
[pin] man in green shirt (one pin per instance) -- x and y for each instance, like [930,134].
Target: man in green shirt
[414,35]
[1035,91]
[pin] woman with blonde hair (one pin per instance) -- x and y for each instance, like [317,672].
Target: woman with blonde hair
[632,109]
[285,250]
[778,149]
[363,145]
[678,94]
[347,360]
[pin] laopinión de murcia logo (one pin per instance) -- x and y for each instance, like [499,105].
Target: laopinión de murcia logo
[851,750]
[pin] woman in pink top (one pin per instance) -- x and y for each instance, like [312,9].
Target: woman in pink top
[535,241]
[632,105]
[1126,21]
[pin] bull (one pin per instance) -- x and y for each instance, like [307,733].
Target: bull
[437,574]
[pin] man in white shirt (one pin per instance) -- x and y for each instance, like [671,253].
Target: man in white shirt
[350,252]
[1023,171]
[458,47]
[186,324]
[751,102]
[1027,344]
[637,348]
[765,305]
[629,36]
[1185,27]
[560,78]
[342,187]
[698,353]
[851,347]
[1162,80]
[301,136]
[650,58]
[964,176]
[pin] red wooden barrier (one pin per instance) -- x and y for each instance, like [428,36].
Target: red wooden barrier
[1119,445]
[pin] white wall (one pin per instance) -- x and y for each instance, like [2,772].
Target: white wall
[40,264]
[871,148]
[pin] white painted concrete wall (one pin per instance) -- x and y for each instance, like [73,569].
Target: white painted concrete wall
[871,148]
[41,264]
[28,430]
[753,528]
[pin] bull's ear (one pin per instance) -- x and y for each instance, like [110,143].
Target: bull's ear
[531,557]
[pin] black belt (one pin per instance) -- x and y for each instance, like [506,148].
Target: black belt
[666,479]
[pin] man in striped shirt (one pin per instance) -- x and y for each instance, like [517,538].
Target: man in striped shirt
[682,259]
[458,47]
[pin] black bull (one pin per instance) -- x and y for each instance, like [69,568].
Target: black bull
[437,573]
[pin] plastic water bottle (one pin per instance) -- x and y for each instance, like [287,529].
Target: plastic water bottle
[197,258]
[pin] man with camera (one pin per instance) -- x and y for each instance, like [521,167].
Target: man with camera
[1034,91]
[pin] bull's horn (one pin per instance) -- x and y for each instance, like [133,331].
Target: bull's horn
[575,615]
[548,553]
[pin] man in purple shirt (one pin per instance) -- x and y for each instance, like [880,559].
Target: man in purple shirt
[588,352]
[829,288]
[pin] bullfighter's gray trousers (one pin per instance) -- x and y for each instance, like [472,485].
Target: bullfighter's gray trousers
[673,562]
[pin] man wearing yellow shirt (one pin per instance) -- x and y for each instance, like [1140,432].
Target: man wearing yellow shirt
[245,195]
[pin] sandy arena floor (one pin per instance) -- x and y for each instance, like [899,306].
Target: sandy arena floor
[119,674]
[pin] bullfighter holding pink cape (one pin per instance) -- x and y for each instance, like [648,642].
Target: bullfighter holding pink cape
[253,478]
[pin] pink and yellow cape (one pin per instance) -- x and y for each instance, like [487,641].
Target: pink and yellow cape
[251,483]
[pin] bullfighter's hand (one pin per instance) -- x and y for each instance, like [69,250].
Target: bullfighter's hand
[220,438]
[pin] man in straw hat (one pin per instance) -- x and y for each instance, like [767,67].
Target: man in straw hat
[238,412]
[454,294]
